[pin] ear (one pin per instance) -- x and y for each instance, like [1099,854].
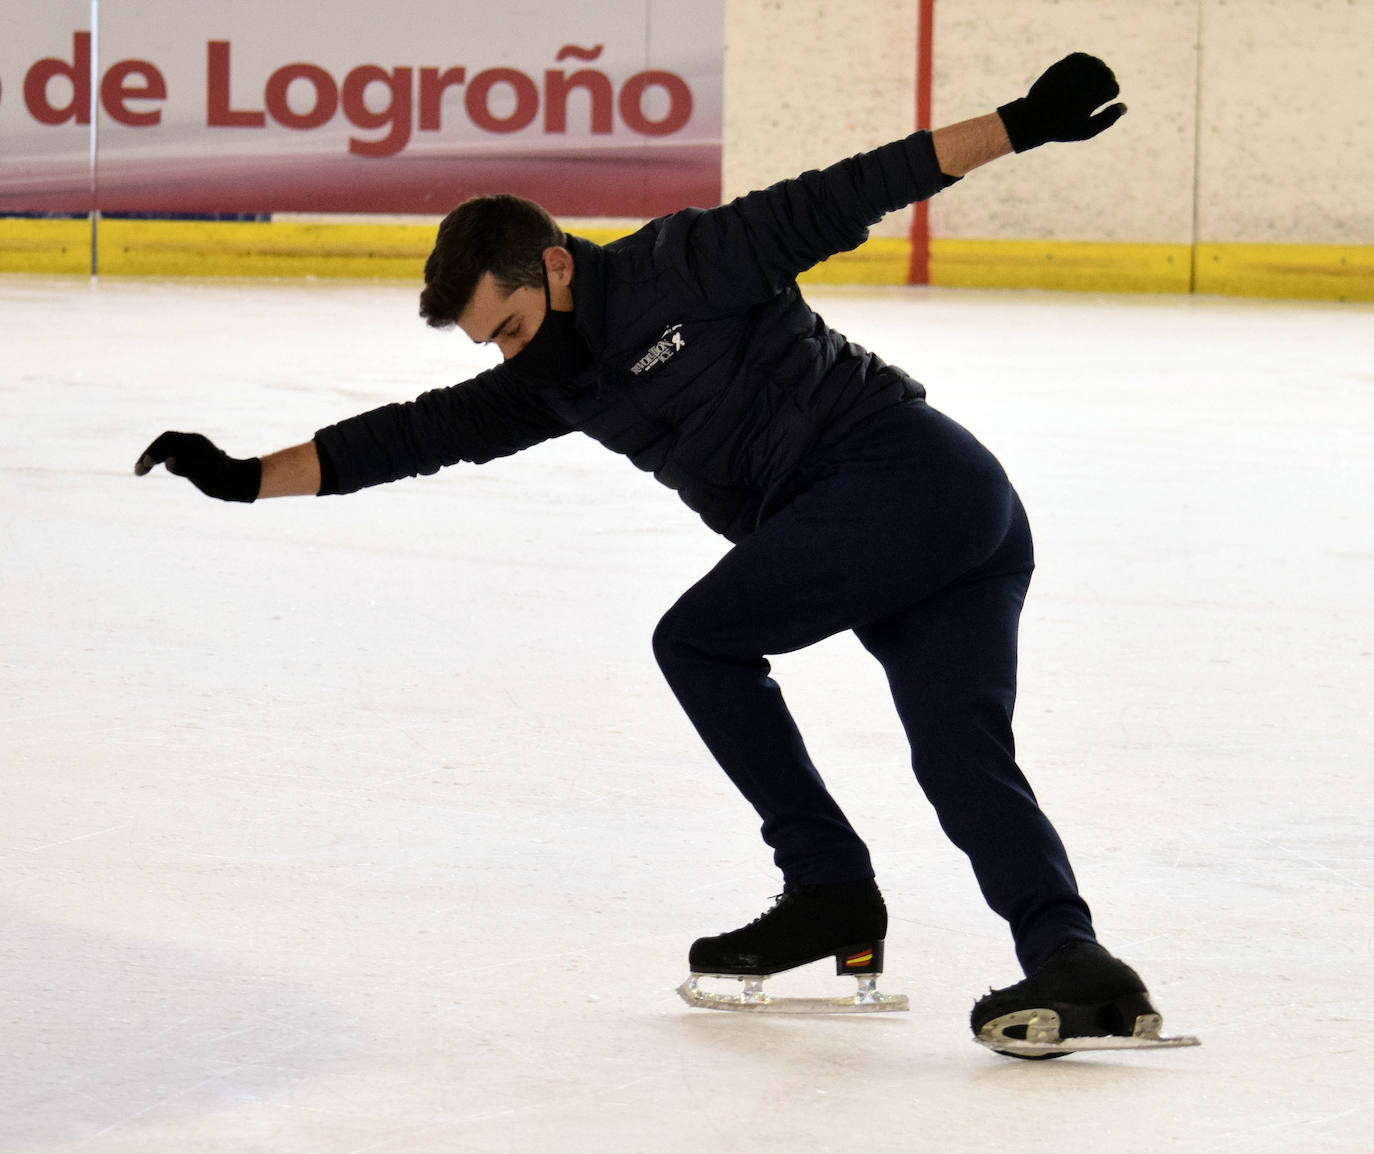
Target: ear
[559,263]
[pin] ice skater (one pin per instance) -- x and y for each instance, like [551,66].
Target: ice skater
[850,502]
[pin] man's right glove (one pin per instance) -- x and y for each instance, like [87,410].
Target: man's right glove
[1060,105]
[208,467]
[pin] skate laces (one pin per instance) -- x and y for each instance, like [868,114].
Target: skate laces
[806,899]
[777,900]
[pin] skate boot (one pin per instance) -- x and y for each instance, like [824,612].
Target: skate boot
[847,921]
[1082,998]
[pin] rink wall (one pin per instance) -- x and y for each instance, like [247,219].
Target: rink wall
[1243,167]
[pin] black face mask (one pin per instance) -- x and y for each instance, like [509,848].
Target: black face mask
[556,352]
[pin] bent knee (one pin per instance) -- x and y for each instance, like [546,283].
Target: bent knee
[670,638]
[686,636]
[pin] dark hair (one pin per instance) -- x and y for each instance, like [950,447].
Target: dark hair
[504,235]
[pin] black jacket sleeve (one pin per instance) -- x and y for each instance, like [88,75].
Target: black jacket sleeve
[751,248]
[486,417]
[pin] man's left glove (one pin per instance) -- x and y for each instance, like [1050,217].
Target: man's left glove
[1061,104]
[208,467]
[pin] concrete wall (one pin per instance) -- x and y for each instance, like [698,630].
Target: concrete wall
[1287,147]
[808,82]
[1135,182]
[1253,113]
[1245,163]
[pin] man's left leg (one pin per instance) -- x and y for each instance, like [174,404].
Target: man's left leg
[951,664]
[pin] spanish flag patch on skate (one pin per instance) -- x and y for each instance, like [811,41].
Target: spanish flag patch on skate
[859,960]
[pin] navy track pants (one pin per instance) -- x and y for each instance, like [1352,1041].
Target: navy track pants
[909,534]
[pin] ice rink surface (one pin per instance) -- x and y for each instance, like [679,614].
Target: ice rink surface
[366,825]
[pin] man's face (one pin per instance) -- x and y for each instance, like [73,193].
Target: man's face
[507,320]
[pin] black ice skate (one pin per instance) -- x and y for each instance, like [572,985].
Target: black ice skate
[1082,998]
[847,922]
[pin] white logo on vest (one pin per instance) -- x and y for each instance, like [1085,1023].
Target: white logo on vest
[669,343]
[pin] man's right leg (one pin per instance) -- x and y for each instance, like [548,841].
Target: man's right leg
[710,650]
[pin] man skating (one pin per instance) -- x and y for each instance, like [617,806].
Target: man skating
[851,505]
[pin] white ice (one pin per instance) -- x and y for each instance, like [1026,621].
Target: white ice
[366,824]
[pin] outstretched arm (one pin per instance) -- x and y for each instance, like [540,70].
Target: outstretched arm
[291,472]
[489,416]
[753,247]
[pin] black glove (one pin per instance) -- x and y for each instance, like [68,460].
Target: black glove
[208,467]
[1060,104]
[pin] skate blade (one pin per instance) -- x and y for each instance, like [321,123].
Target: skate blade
[752,999]
[1042,1038]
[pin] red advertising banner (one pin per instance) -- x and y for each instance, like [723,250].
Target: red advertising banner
[45,159]
[156,106]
